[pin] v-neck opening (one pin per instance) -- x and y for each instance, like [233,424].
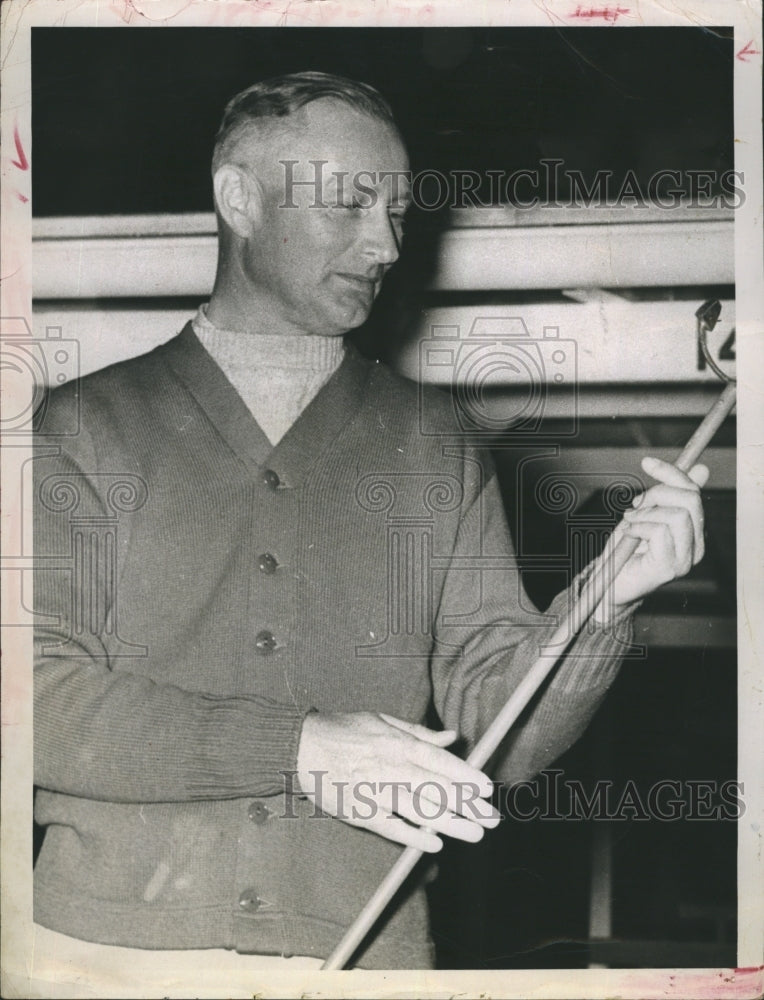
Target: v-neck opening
[319,425]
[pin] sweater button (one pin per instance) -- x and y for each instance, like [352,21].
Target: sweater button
[267,563]
[258,812]
[248,901]
[265,642]
[271,479]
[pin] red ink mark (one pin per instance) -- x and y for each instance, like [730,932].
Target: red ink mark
[22,163]
[747,50]
[22,197]
[606,13]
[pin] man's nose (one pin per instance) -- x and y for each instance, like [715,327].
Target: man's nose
[381,240]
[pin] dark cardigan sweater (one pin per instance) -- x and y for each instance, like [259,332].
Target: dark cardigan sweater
[175,664]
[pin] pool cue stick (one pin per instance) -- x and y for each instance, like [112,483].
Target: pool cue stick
[606,568]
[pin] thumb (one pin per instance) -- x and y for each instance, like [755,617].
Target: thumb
[440,738]
[699,475]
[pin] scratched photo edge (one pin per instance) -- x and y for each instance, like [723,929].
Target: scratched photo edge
[16,842]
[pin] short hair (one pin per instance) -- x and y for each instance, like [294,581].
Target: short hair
[279,96]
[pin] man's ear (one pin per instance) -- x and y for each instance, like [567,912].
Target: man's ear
[238,196]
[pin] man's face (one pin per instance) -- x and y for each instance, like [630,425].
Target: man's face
[323,247]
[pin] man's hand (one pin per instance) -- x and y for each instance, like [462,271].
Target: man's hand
[668,521]
[379,771]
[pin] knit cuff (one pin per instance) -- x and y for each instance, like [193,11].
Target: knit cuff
[593,659]
[622,612]
[242,746]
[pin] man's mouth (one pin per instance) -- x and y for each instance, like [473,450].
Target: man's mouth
[362,281]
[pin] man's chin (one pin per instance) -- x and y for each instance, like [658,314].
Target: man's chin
[340,322]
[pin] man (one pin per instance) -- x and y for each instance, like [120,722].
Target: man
[294,582]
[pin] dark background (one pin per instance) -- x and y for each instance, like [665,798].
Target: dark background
[123,122]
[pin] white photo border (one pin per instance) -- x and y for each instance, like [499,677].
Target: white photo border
[18,18]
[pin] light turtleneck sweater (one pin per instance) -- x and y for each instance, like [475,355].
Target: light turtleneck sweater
[276,375]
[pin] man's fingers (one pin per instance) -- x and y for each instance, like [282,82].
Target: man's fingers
[660,542]
[444,766]
[699,475]
[393,828]
[663,497]
[670,496]
[449,824]
[392,777]
[686,538]
[440,738]
[667,473]
[441,784]
[429,796]
[428,806]
[436,764]
[428,752]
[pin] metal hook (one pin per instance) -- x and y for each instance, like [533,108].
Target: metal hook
[708,316]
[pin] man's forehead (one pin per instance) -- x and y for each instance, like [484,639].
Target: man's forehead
[331,130]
